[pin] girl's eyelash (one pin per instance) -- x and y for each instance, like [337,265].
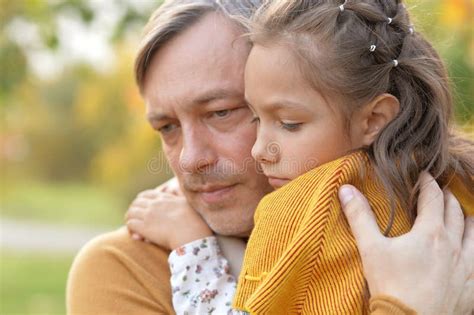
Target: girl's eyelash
[291,126]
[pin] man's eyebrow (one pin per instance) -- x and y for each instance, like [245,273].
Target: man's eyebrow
[217,94]
[154,117]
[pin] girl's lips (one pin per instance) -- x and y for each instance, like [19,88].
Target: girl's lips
[277,182]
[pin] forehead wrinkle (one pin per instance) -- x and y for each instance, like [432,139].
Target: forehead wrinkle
[210,96]
[217,94]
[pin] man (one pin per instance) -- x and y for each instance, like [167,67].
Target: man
[190,72]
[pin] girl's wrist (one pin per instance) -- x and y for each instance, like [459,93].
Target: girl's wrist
[194,252]
[187,238]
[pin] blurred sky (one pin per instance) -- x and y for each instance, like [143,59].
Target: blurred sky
[78,42]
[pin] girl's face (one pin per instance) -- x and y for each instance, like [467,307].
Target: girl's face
[298,129]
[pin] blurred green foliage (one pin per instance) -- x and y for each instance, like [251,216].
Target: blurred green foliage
[62,203]
[32,283]
[449,25]
[80,124]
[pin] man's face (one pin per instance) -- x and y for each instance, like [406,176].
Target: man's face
[194,93]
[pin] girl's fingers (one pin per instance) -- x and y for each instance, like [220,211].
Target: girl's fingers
[135,225]
[175,192]
[171,186]
[140,202]
[453,217]
[133,234]
[147,194]
[135,213]
[163,188]
[137,237]
[145,202]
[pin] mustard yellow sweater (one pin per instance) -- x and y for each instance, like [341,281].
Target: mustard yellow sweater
[114,274]
[301,256]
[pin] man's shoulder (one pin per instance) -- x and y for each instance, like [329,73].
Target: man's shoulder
[118,248]
[119,241]
[107,243]
[113,267]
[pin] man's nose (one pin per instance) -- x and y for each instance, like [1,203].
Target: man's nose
[266,151]
[197,152]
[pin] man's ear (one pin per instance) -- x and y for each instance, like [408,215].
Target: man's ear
[373,117]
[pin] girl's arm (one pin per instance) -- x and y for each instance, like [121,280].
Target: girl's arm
[200,278]
[200,275]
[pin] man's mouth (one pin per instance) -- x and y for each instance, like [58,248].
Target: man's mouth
[214,193]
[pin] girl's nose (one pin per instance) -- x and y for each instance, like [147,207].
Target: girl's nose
[266,152]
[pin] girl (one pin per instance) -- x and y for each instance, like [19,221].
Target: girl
[341,93]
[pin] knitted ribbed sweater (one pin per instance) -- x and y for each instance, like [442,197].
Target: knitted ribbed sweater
[301,257]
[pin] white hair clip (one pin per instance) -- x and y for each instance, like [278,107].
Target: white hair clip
[372,48]
[389,20]
[411,29]
[341,7]
[395,62]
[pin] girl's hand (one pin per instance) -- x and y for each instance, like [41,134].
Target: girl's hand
[431,268]
[165,219]
[171,186]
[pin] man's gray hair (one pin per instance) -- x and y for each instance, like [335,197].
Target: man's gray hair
[175,16]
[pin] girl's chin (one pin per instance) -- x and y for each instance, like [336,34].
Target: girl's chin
[278,182]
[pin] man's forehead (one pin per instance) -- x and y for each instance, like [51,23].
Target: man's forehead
[213,39]
[211,45]
[204,64]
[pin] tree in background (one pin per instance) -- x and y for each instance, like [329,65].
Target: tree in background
[66,116]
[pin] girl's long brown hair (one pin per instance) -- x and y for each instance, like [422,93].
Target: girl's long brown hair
[334,46]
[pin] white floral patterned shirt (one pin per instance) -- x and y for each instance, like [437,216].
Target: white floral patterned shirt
[200,279]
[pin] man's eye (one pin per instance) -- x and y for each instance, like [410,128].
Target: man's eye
[291,126]
[222,113]
[167,128]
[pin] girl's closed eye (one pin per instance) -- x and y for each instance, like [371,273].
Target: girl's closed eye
[291,126]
